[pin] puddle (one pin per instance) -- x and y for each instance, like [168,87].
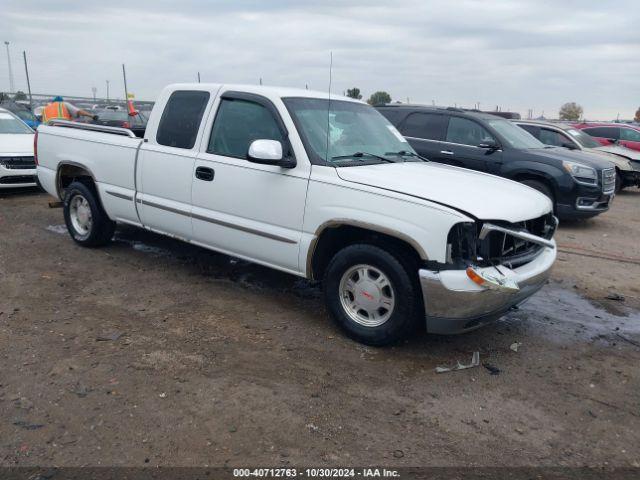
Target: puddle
[60,229]
[568,312]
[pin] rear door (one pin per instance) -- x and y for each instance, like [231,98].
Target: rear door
[425,131]
[247,209]
[630,138]
[166,162]
[462,145]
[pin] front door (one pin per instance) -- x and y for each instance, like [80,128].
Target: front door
[463,142]
[242,208]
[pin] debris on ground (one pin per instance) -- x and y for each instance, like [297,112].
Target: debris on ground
[27,425]
[515,345]
[615,297]
[109,337]
[493,370]
[475,361]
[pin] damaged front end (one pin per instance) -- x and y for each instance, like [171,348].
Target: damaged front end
[491,266]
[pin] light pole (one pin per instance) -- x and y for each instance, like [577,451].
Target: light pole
[11,86]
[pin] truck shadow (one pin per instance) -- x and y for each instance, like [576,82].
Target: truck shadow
[555,314]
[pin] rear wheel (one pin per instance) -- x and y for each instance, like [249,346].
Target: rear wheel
[86,220]
[370,295]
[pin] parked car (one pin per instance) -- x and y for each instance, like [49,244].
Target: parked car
[121,118]
[626,161]
[627,135]
[17,166]
[579,185]
[252,171]
[22,112]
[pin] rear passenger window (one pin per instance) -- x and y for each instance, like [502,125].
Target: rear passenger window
[467,132]
[532,129]
[237,124]
[429,126]
[181,119]
[551,137]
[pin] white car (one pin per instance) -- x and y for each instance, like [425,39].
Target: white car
[323,188]
[17,165]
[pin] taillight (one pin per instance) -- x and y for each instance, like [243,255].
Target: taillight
[35,148]
[126,125]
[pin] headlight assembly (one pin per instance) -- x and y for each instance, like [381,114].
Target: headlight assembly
[581,173]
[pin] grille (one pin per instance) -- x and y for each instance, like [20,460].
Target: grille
[608,180]
[18,179]
[502,248]
[18,163]
[465,245]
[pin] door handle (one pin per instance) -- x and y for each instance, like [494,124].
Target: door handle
[205,173]
[446,152]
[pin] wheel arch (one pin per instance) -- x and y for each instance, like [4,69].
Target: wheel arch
[334,235]
[68,171]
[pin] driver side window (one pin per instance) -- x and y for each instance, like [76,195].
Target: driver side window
[467,132]
[237,124]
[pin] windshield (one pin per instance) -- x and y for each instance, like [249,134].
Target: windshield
[25,115]
[515,136]
[10,124]
[357,132]
[583,139]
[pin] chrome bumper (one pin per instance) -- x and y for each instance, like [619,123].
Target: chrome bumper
[455,304]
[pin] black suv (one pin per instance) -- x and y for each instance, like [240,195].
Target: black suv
[579,186]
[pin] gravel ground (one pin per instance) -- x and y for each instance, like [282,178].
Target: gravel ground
[153,352]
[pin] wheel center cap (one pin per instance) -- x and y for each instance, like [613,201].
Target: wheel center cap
[368,294]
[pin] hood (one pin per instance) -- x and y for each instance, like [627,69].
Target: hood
[578,156]
[16,144]
[480,195]
[620,151]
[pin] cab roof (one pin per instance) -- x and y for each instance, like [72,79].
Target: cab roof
[269,92]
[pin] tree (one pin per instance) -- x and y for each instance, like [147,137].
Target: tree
[379,98]
[637,119]
[571,111]
[20,95]
[354,93]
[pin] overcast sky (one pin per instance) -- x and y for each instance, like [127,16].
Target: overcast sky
[518,54]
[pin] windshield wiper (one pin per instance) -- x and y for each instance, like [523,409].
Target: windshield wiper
[363,154]
[405,153]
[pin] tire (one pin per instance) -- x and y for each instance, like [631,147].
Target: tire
[86,220]
[399,298]
[542,188]
[619,186]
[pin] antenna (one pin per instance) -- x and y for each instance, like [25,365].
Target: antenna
[326,155]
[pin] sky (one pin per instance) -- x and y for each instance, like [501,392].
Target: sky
[515,54]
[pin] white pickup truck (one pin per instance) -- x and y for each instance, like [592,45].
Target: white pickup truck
[323,188]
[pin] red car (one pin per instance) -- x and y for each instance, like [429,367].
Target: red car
[613,133]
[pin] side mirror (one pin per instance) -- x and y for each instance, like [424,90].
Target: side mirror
[268,152]
[569,145]
[490,145]
[612,140]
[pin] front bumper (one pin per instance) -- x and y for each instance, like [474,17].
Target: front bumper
[455,304]
[11,178]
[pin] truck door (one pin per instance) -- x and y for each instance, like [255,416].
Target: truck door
[247,209]
[165,165]
[463,144]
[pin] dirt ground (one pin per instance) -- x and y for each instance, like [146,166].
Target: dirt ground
[153,352]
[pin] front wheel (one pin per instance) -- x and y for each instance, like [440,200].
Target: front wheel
[86,220]
[618,181]
[370,295]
